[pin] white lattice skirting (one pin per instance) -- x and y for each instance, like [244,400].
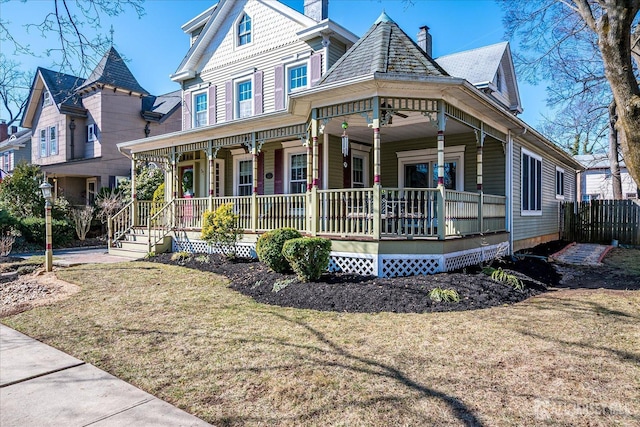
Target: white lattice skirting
[395,265]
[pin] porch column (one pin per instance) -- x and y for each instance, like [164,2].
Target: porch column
[254,193]
[442,192]
[479,147]
[211,155]
[134,207]
[376,170]
[313,196]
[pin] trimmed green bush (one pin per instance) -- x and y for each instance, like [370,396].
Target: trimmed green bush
[33,230]
[269,248]
[220,227]
[308,256]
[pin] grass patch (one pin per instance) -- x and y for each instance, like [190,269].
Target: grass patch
[626,260]
[565,358]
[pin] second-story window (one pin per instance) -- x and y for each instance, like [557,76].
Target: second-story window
[244,30]
[200,110]
[245,99]
[43,143]
[53,141]
[297,77]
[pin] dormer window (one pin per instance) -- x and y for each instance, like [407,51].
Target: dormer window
[46,98]
[499,85]
[244,30]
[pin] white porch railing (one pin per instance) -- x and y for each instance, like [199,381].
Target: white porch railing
[241,206]
[282,210]
[188,212]
[346,212]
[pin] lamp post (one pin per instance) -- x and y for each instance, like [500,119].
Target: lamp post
[46,193]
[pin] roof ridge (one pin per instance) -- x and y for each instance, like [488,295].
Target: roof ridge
[473,49]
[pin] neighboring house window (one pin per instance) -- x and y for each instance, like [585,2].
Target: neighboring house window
[53,141]
[245,177]
[43,143]
[200,112]
[559,183]
[244,30]
[298,174]
[244,106]
[297,77]
[91,132]
[46,98]
[531,183]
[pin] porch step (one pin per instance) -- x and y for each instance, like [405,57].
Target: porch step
[126,253]
[136,245]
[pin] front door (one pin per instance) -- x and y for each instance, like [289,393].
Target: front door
[186,181]
[91,190]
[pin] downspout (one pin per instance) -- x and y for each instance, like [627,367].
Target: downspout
[509,189]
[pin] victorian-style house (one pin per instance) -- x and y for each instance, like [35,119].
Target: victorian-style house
[76,123]
[409,165]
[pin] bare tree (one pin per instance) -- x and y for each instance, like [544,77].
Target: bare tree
[588,43]
[71,23]
[14,88]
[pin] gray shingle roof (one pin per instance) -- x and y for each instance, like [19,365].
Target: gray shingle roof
[476,65]
[112,71]
[162,104]
[385,48]
[19,138]
[62,87]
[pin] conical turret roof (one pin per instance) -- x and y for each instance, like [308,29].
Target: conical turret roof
[112,71]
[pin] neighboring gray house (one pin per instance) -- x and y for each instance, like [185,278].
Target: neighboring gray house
[15,147]
[76,123]
[595,181]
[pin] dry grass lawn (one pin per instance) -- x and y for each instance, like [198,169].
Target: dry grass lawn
[566,358]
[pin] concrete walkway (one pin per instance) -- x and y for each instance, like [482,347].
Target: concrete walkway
[75,256]
[582,254]
[42,386]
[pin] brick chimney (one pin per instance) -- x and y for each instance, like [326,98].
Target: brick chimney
[4,130]
[316,9]
[424,40]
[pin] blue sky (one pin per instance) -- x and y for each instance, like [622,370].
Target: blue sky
[154,44]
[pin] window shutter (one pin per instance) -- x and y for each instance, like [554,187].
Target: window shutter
[212,105]
[278,183]
[186,110]
[261,173]
[279,83]
[228,100]
[257,93]
[320,166]
[346,172]
[316,68]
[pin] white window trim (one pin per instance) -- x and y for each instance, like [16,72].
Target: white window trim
[57,139]
[91,132]
[236,98]
[237,158]
[193,107]
[564,177]
[236,32]
[46,143]
[288,67]
[46,98]
[531,154]
[362,151]
[289,151]
[451,153]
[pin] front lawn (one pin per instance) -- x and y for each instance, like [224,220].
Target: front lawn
[568,357]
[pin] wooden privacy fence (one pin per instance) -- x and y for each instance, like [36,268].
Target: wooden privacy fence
[602,221]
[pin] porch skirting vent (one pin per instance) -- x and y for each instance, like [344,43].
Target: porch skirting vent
[388,265]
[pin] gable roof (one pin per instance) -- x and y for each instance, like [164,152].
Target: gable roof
[480,66]
[16,140]
[385,48]
[112,71]
[158,108]
[62,87]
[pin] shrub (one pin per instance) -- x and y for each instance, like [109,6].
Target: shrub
[34,231]
[220,227]
[180,256]
[308,256]
[444,295]
[108,202]
[269,248]
[158,199]
[499,275]
[81,218]
[20,193]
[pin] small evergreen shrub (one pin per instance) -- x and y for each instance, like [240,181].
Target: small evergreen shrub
[220,227]
[34,231]
[308,256]
[444,295]
[269,248]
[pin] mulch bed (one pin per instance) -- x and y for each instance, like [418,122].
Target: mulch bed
[342,292]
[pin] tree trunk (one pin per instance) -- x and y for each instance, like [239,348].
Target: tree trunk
[614,161]
[614,39]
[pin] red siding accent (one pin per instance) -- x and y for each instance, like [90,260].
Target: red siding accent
[212,105]
[186,110]
[278,183]
[279,91]
[228,100]
[261,173]
[315,63]
[257,94]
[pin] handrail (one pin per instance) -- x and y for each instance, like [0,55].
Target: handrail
[160,224]
[120,223]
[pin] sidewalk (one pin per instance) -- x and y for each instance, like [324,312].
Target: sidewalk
[41,386]
[75,256]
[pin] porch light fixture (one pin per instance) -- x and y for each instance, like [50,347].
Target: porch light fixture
[345,139]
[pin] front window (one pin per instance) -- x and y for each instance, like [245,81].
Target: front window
[298,175]
[245,99]
[559,183]
[200,110]
[244,30]
[43,143]
[53,141]
[297,77]
[531,184]
[245,178]
[357,167]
